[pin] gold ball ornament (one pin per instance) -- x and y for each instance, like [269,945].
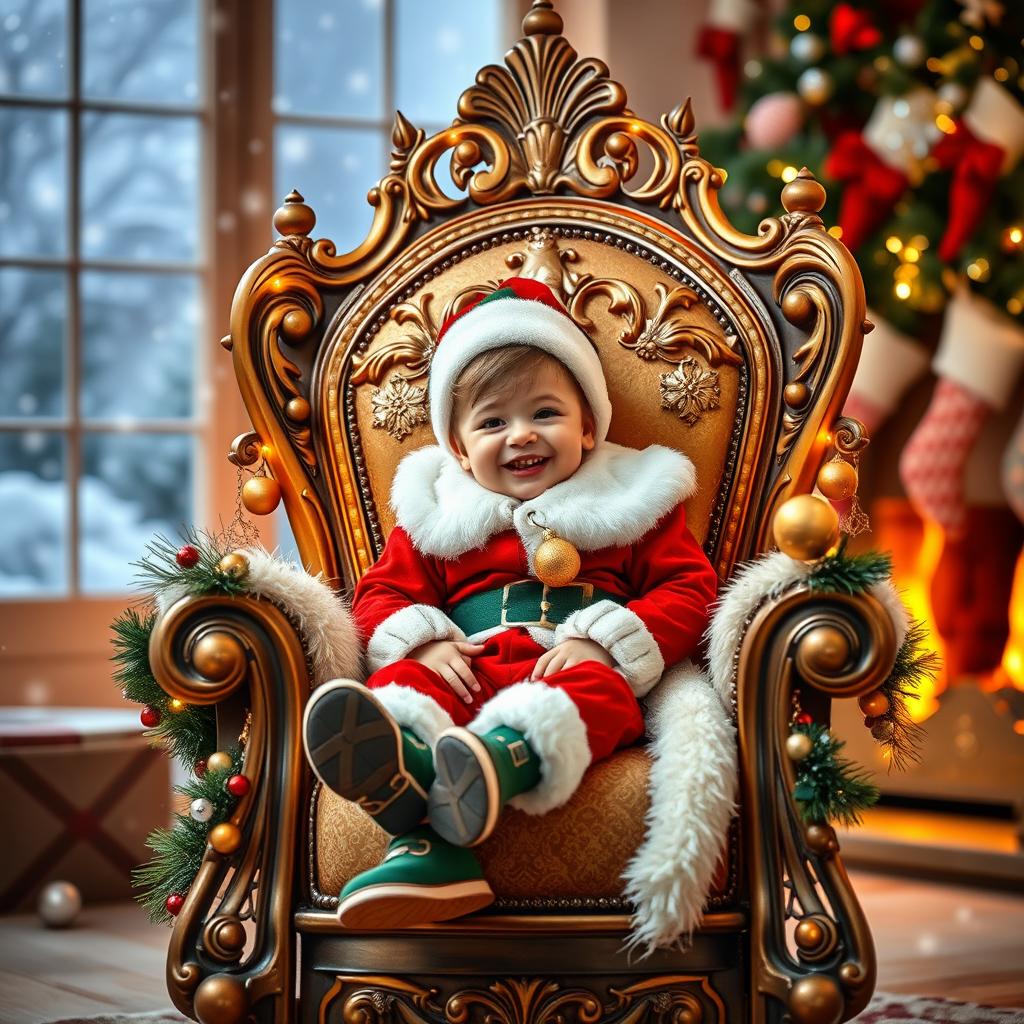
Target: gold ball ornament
[815,999]
[219,762]
[805,527]
[557,562]
[221,999]
[874,705]
[234,564]
[838,480]
[261,495]
[225,838]
[809,934]
[798,746]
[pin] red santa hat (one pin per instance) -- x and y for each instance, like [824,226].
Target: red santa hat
[520,311]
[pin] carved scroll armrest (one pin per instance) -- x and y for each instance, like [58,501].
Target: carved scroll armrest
[232,945]
[821,970]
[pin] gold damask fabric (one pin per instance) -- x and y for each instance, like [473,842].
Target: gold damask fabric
[579,850]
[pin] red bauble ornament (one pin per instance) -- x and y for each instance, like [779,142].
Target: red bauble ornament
[150,717]
[174,903]
[237,785]
[187,556]
[803,718]
[200,768]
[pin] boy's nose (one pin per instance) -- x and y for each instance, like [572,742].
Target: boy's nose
[521,433]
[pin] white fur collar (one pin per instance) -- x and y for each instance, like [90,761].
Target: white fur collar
[616,496]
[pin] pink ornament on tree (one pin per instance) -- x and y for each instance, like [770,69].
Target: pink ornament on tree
[773,120]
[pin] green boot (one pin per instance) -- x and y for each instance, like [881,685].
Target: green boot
[476,776]
[421,879]
[358,750]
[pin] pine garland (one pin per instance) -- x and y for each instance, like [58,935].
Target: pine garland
[849,574]
[829,788]
[914,664]
[179,850]
[188,732]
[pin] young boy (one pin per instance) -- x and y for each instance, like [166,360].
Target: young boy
[490,686]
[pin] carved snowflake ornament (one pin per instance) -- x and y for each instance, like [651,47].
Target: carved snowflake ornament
[690,390]
[399,407]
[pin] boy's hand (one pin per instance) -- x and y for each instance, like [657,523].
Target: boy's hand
[450,660]
[569,653]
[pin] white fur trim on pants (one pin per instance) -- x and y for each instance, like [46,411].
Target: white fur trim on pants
[414,710]
[624,636]
[408,628]
[554,730]
[692,789]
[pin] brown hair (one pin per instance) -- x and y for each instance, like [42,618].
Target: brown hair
[508,367]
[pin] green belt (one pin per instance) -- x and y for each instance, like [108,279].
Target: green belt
[525,603]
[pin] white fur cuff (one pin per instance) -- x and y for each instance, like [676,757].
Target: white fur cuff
[407,629]
[556,733]
[415,710]
[624,636]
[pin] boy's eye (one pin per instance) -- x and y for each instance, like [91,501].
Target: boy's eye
[490,423]
[543,414]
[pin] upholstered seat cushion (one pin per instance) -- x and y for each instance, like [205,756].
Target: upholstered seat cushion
[576,852]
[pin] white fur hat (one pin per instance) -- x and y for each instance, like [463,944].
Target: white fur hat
[520,311]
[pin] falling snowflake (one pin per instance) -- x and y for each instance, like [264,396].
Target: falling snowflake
[399,407]
[690,390]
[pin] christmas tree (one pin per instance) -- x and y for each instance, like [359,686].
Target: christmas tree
[912,114]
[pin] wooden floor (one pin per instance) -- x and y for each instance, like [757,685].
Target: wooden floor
[939,940]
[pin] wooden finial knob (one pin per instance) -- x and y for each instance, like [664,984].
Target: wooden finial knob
[294,217]
[804,193]
[542,20]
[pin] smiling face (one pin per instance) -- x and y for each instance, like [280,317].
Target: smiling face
[526,431]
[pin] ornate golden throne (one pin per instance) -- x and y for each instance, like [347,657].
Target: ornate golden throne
[736,349]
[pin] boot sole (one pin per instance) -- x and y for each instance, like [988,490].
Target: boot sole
[354,747]
[384,907]
[465,799]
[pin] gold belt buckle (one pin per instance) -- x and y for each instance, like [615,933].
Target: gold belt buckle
[545,605]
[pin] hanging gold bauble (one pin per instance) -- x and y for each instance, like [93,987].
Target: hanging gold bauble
[798,746]
[556,562]
[219,762]
[874,704]
[261,495]
[838,480]
[234,564]
[805,527]
[225,838]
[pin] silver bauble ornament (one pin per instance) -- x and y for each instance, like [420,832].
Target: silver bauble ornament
[815,86]
[954,94]
[807,48]
[910,51]
[59,904]
[201,809]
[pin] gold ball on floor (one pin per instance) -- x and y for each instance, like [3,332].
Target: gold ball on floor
[221,999]
[225,838]
[219,762]
[838,480]
[805,527]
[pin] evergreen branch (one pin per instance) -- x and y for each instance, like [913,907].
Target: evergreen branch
[159,571]
[830,788]
[849,574]
[913,665]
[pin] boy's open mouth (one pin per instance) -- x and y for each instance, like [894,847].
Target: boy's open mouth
[527,465]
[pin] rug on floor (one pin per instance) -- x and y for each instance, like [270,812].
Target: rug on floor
[888,1008]
[156,1017]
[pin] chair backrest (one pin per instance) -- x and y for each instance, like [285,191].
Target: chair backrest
[736,349]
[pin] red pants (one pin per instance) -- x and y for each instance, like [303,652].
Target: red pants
[607,705]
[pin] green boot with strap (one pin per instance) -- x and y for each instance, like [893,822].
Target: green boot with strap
[476,777]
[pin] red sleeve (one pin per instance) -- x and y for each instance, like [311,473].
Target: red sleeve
[400,577]
[678,585]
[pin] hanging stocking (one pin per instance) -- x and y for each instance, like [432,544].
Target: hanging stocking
[719,41]
[1013,471]
[980,353]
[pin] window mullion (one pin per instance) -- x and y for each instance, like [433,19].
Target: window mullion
[74,326]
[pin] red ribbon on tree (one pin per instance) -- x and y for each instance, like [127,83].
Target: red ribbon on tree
[976,166]
[722,47]
[851,28]
[871,187]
